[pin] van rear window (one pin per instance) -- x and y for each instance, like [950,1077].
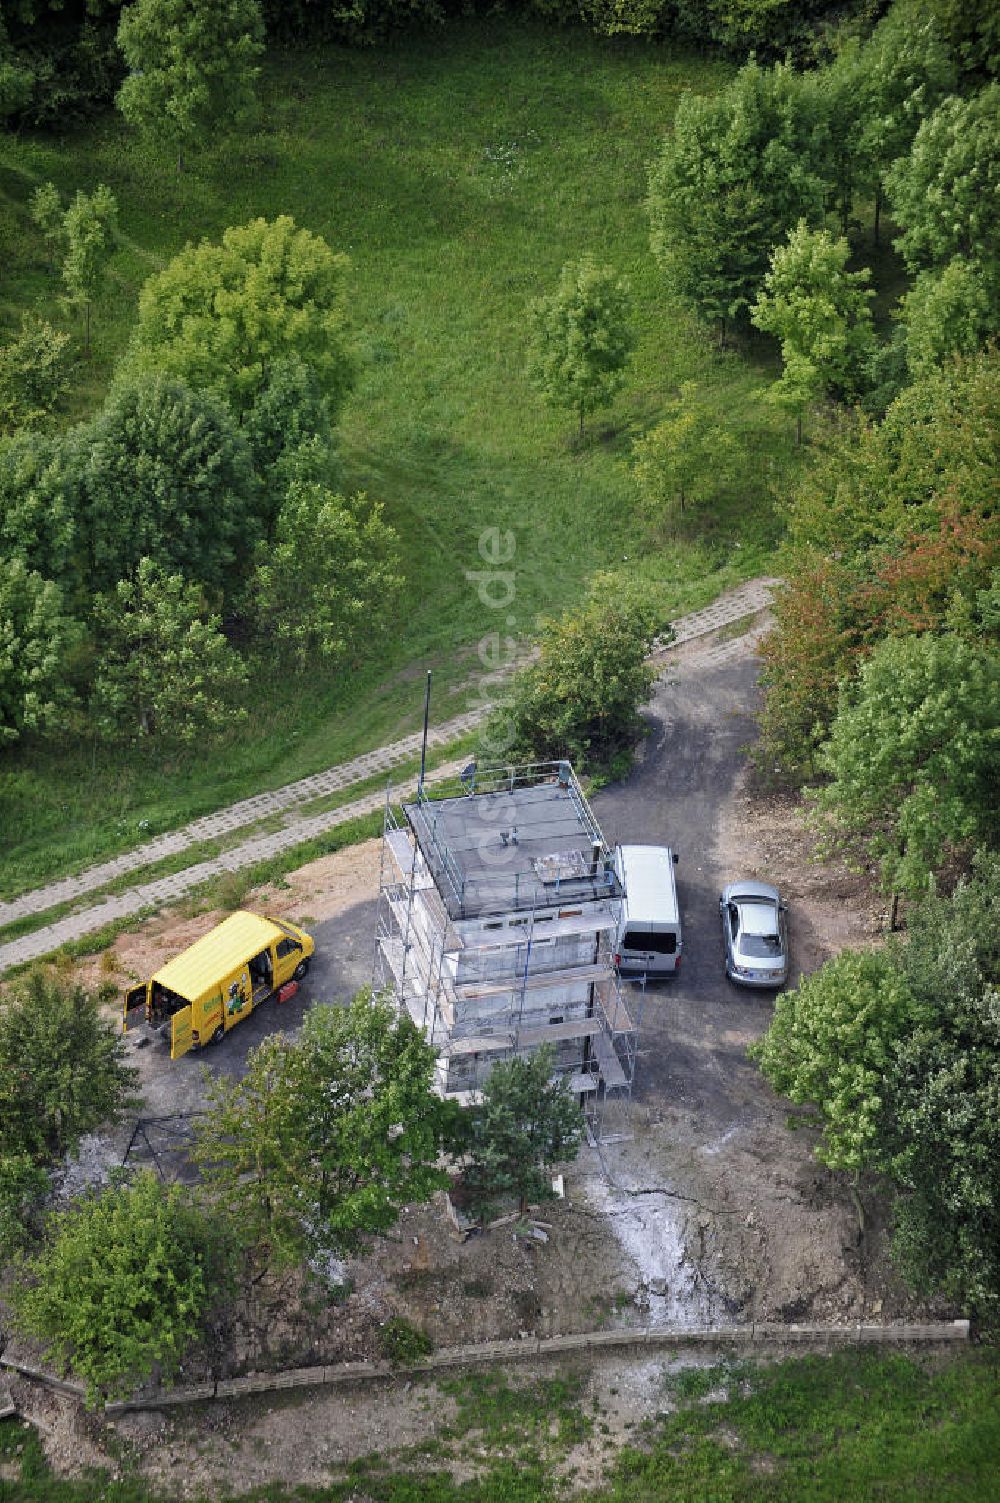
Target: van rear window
[653,944]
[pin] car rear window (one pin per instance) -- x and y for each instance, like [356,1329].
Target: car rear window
[761,946]
[653,944]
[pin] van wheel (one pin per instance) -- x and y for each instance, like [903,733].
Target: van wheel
[301,969]
[218,1035]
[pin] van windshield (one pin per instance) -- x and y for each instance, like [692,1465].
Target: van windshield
[660,943]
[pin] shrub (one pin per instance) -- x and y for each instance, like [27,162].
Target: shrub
[33,374]
[124,1283]
[402,1342]
[580,699]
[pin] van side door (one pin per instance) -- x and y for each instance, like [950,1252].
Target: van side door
[181,1036]
[134,1006]
[287,954]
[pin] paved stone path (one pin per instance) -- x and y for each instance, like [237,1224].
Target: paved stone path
[746,600]
[235,817]
[163,890]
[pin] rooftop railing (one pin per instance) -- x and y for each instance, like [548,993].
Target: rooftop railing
[474,894]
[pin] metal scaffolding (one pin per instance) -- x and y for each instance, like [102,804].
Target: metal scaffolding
[498,912]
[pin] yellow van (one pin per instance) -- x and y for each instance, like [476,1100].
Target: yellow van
[220,979]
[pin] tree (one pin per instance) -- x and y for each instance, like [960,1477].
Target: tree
[167,476]
[936,445]
[46,209]
[222,316]
[819,311]
[89,229]
[580,698]
[688,452]
[36,638]
[949,312]
[124,1284]
[738,171]
[328,583]
[83,235]
[904,71]
[945,194]
[33,378]
[972,30]
[813,647]
[62,1069]
[897,1050]
[40,505]
[840,88]
[941,1139]
[581,338]
[890,528]
[912,756]
[325,1138]
[830,1046]
[192,67]
[925,580]
[58,64]
[17,76]
[527,1122]
[165,672]
[289,432]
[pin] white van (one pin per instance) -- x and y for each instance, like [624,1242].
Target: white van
[649,936]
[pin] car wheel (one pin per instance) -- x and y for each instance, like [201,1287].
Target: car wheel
[301,969]
[218,1035]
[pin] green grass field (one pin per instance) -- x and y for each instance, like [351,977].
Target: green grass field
[459,170]
[838,1429]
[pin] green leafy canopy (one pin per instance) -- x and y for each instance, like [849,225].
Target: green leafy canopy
[220,315]
[327,1136]
[123,1284]
[581,338]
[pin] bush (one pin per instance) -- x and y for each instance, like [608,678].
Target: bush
[62,1068]
[124,1284]
[33,374]
[402,1342]
[23,1187]
[580,699]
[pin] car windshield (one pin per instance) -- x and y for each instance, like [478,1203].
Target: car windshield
[761,946]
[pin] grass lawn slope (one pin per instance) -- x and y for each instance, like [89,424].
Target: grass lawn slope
[460,170]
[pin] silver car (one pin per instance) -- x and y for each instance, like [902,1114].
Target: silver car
[754,934]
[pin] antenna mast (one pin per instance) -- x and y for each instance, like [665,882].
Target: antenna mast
[423,744]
